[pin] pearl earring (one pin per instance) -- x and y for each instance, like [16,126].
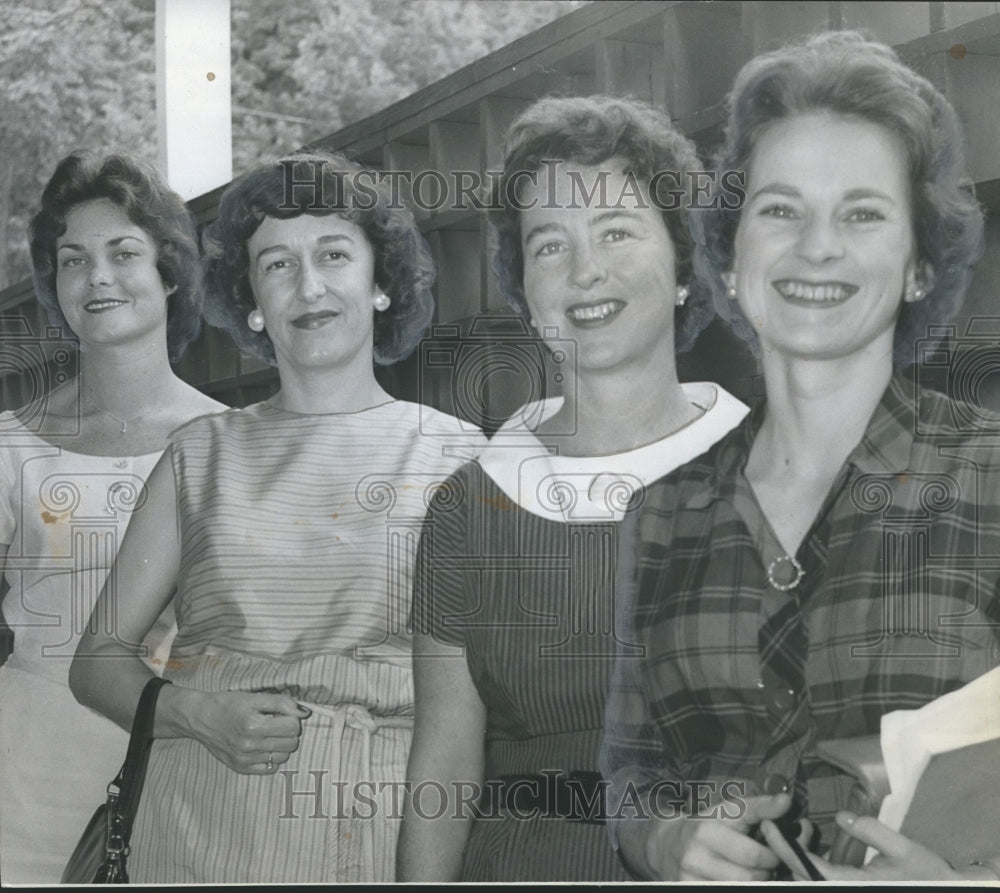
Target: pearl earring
[682,295]
[731,291]
[918,294]
[255,320]
[382,301]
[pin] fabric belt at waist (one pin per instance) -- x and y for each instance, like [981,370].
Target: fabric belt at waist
[359,719]
[576,796]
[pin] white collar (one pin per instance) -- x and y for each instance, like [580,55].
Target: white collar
[597,488]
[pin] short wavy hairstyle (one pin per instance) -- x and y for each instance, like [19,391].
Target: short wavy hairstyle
[319,184]
[590,130]
[139,190]
[846,73]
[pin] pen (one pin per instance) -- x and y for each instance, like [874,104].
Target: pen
[790,829]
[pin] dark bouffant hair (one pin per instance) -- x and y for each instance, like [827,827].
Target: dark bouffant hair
[150,204]
[404,268]
[846,73]
[590,130]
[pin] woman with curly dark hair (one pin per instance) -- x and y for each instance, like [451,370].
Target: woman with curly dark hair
[116,268]
[820,566]
[513,639]
[286,528]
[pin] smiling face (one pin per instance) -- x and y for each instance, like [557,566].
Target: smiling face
[313,280]
[108,286]
[598,272]
[825,253]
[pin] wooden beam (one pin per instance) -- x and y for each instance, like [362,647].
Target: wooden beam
[625,68]
[523,57]
[495,115]
[693,34]
[397,156]
[985,29]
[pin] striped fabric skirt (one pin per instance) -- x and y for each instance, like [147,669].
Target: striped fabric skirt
[330,814]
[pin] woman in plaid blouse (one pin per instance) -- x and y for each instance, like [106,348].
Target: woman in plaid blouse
[827,561]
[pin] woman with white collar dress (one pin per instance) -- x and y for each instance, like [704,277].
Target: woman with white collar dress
[512,603]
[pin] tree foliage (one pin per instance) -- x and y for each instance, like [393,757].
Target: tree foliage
[81,74]
[75,74]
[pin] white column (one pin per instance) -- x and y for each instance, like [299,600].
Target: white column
[193,105]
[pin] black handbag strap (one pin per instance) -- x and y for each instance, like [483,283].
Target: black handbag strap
[133,773]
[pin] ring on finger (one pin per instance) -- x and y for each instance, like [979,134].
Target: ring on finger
[270,761]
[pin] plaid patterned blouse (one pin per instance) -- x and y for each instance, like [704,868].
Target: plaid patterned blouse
[725,672]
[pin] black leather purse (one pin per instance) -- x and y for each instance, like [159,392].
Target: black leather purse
[100,855]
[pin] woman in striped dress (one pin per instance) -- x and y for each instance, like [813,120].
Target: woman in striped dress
[513,639]
[287,529]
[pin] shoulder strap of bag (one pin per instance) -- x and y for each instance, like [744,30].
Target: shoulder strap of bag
[133,772]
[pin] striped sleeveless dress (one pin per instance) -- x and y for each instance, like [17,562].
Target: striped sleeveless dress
[298,534]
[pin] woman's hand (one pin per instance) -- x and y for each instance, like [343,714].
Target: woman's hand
[715,849]
[898,859]
[251,732]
